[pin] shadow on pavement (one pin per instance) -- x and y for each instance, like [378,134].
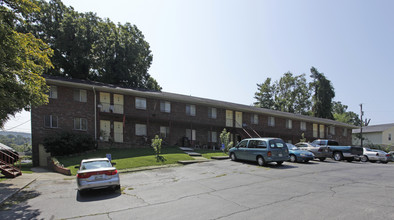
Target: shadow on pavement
[17,207]
[97,195]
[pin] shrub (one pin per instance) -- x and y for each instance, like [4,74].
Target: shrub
[67,143]
[225,140]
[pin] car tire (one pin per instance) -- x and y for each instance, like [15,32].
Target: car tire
[293,158]
[260,161]
[233,157]
[337,156]
[322,159]
[364,159]
[279,163]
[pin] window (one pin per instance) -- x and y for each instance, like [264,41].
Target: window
[345,132]
[243,143]
[50,121]
[104,101]
[53,92]
[315,130]
[140,129]
[254,119]
[164,131]
[303,126]
[212,113]
[118,104]
[191,110]
[332,130]
[80,124]
[289,124]
[191,134]
[80,95]
[165,106]
[271,121]
[140,103]
[212,136]
[321,131]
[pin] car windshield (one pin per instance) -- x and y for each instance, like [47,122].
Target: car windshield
[96,164]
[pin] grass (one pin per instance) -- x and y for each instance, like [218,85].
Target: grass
[210,153]
[128,158]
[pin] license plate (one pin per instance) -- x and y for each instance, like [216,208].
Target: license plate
[99,177]
[280,155]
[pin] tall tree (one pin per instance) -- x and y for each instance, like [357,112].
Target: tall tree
[341,114]
[323,95]
[289,94]
[23,59]
[88,47]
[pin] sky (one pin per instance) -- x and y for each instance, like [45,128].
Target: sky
[221,49]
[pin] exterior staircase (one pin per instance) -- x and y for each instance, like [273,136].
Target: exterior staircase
[7,161]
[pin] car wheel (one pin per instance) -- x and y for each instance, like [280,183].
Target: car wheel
[364,159]
[338,156]
[260,161]
[233,157]
[293,158]
[322,159]
[279,163]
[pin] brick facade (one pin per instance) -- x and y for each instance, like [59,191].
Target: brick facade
[123,119]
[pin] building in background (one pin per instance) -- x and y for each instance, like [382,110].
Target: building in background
[375,135]
[128,118]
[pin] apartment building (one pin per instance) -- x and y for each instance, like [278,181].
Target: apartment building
[129,118]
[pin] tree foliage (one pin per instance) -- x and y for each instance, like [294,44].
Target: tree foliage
[323,95]
[225,140]
[289,94]
[88,47]
[23,59]
[67,143]
[341,114]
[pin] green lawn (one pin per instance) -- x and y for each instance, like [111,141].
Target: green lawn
[210,153]
[128,158]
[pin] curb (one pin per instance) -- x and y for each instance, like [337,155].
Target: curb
[147,168]
[220,157]
[185,162]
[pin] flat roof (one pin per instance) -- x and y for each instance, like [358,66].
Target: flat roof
[167,96]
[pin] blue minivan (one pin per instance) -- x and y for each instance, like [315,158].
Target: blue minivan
[262,150]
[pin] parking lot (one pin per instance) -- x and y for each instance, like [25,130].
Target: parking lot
[221,190]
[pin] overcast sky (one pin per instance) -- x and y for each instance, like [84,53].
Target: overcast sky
[220,49]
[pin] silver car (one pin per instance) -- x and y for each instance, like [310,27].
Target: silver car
[320,152]
[373,155]
[97,173]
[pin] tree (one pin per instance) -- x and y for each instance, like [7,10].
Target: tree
[88,47]
[323,95]
[341,114]
[289,94]
[225,140]
[23,59]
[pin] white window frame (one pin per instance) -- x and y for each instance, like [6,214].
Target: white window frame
[271,121]
[191,110]
[255,119]
[212,113]
[191,134]
[321,131]
[140,129]
[53,92]
[165,106]
[164,131]
[289,124]
[52,120]
[140,103]
[80,95]
[80,124]
[315,130]
[303,126]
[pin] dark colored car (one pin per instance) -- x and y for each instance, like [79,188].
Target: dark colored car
[298,155]
[320,152]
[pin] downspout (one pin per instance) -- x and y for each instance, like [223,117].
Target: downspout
[95,115]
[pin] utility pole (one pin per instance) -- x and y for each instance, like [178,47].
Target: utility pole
[361,124]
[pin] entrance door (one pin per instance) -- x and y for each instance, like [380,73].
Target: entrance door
[118,130]
[238,119]
[229,118]
[43,156]
[118,104]
[105,129]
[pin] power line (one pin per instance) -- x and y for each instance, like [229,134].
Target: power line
[9,129]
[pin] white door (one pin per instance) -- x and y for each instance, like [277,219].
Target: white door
[43,156]
[238,119]
[105,129]
[118,104]
[229,118]
[118,130]
[105,101]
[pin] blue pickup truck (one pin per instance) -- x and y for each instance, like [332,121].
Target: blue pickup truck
[348,153]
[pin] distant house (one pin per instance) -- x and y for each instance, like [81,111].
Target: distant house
[376,135]
[122,117]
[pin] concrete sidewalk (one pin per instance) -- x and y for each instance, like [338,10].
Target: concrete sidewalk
[10,187]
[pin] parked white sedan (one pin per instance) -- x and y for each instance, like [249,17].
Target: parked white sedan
[373,155]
